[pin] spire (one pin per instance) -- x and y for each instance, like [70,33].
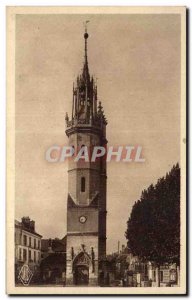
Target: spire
[84,101]
[85,67]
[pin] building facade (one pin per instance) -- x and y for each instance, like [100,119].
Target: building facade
[137,273]
[53,262]
[27,246]
[86,203]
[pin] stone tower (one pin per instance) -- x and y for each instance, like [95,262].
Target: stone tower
[86,203]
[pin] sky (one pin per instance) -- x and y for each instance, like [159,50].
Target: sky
[136,60]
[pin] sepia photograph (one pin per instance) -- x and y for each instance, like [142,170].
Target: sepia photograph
[96,150]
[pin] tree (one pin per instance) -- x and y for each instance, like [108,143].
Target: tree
[153,229]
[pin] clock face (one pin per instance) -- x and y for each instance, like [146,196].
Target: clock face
[82,219]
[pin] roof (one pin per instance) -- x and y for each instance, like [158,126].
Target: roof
[22,227]
[57,245]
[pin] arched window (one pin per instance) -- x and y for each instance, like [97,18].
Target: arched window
[82,184]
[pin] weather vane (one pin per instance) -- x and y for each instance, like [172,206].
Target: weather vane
[85,25]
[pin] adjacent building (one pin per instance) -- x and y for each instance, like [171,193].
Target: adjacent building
[53,263]
[27,246]
[135,273]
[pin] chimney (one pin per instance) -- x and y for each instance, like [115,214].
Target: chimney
[32,225]
[26,222]
[50,250]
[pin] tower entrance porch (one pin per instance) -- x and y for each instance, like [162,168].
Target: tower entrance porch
[81,269]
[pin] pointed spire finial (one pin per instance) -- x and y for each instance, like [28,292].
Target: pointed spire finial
[86,69]
[66,117]
[86,34]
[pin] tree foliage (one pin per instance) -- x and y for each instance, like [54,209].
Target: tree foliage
[153,229]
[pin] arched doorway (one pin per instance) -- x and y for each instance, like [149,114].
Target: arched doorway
[81,275]
[81,269]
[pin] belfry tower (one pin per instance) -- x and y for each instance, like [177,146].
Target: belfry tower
[86,203]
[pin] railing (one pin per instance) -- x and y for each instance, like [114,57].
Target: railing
[76,122]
